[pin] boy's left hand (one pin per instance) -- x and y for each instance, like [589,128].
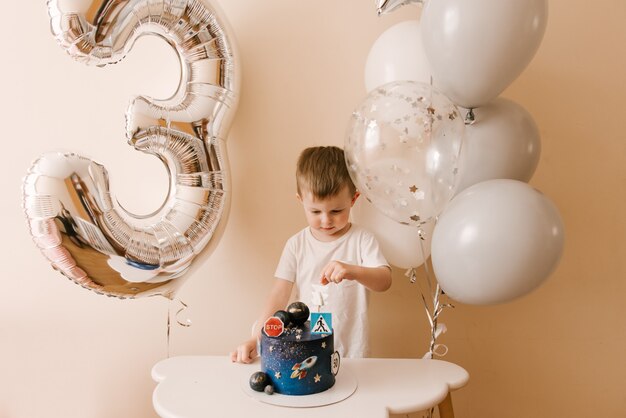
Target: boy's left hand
[335,272]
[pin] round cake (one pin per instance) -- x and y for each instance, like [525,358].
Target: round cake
[294,359]
[298,362]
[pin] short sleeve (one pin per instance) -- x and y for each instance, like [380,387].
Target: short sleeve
[287,265]
[371,254]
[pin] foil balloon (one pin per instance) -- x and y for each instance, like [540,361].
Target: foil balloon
[74,218]
[388,6]
[403,148]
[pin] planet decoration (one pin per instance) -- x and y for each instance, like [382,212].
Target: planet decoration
[284,316]
[258,381]
[298,312]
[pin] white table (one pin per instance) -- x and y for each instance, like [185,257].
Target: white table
[208,386]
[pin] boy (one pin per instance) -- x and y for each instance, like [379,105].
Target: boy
[330,251]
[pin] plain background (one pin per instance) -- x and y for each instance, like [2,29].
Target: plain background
[67,352]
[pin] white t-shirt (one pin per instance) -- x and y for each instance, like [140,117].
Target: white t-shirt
[302,261]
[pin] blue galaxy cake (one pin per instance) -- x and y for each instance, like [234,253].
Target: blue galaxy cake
[295,361]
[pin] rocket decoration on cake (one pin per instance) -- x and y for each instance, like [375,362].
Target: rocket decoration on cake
[300,369]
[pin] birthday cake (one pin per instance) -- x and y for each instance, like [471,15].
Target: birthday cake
[297,358]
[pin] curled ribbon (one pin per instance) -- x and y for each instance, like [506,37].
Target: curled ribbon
[186,323]
[433,310]
[439,350]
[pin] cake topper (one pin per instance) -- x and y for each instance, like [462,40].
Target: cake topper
[321,323]
[298,313]
[273,327]
[319,296]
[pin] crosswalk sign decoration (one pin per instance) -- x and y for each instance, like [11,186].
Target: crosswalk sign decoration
[321,323]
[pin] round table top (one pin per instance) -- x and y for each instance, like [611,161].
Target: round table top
[201,386]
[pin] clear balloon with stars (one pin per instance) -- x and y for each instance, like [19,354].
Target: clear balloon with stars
[403,149]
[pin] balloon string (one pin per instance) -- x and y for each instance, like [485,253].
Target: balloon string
[422,237]
[435,292]
[186,323]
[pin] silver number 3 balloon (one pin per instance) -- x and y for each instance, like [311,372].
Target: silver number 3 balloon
[72,215]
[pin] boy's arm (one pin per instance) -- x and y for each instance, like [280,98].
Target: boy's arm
[377,279]
[278,298]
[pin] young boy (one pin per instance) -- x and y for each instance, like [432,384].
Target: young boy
[329,251]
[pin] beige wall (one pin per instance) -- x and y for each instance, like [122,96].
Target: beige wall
[67,352]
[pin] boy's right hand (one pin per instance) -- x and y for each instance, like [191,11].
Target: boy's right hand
[245,353]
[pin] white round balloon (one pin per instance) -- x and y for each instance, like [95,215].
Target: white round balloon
[476,48]
[401,244]
[502,143]
[496,241]
[397,54]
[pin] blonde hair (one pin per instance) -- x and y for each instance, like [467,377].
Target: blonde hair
[322,171]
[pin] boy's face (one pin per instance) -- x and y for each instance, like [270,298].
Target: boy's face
[329,217]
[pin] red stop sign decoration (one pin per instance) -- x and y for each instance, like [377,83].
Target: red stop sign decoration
[273,327]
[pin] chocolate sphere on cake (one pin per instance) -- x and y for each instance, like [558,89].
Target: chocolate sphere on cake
[299,312]
[283,316]
[258,381]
